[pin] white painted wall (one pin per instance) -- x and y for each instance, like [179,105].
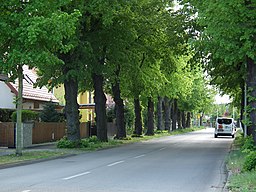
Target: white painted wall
[6,97]
[28,105]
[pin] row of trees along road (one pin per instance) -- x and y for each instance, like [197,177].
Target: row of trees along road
[227,42]
[135,50]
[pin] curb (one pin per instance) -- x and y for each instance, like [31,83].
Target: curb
[28,162]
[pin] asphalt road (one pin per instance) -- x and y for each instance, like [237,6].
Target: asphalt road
[192,162]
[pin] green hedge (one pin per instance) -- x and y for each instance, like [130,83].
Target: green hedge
[27,115]
[6,115]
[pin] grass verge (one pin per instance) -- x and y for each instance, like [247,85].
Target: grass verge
[240,180]
[29,156]
[92,143]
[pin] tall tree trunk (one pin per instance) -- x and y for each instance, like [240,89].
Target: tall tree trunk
[121,131]
[188,121]
[174,115]
[201,119]
[179,119]
[138,119]
[242,87]
[150,130]
[160,113]
[19,127]
[100,107]
[71,109]
[167,112]
[251,83]
[183,119]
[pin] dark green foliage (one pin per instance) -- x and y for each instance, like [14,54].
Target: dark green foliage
[49,113]
[6,115]
[111,114]
[248,144]
[65,143]
[27,115]
[128,116]
[89,143]
[250,161]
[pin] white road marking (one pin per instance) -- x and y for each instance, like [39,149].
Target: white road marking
[26,191]
[112,164]
[139,156]
[162,149]
[78,175]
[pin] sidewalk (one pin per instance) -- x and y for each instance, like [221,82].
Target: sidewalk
[35,147]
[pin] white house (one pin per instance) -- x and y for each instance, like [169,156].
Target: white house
[33,97]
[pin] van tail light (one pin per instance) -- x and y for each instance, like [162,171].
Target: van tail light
[220,127]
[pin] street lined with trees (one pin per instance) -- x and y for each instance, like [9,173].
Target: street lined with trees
[145,54]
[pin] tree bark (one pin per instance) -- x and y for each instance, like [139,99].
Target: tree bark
[179,119]
[183,119]
[167,114]
[251,84]
[174,115]
[201,119]
[150,130]
[138,119]
[121,131]
[100,107]
[160,114]
[188,121]
[71,109]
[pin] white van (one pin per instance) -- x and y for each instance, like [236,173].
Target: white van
[225,127]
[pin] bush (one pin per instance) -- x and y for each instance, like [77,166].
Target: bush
[65,143]
[250,161]
[6,115]
[91,142]
[49,113]
[27,115]
[111,114]
[248,144]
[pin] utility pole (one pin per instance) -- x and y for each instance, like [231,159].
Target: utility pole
[19,127]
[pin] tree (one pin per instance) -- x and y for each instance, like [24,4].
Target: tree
[228,39]
[49,113]
[31,31]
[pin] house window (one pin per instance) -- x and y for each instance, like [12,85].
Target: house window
[36,105]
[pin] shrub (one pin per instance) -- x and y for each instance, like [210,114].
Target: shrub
[49,113]
[250,161]
[111,114]
[27,115]
[65,143]
[248,144]
[5,115]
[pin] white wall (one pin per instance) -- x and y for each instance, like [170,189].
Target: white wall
[6,97]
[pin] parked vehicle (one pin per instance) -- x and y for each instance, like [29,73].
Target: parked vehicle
[225,127]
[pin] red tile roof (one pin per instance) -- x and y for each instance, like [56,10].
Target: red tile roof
[29,91]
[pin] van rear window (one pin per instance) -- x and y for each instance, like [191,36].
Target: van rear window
[224,121]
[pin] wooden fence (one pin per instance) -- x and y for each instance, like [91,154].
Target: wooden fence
[43,132]
[7,136]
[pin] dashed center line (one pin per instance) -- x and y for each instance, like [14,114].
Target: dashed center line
[162,149]
[139,156]
[26,191]
[78,175]
[112,164]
